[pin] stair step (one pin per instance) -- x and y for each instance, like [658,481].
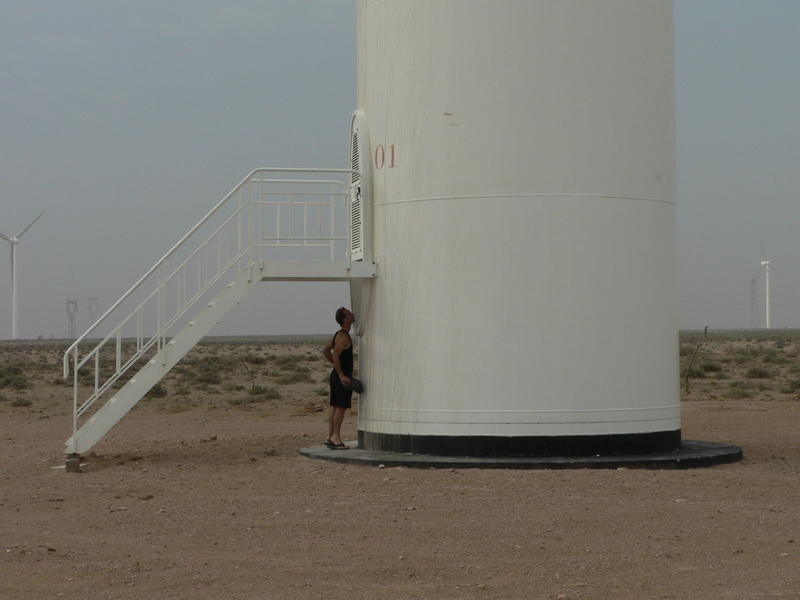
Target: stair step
[151,373]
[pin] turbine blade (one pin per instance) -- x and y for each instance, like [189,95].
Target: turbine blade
[21,233]
[759,244]
[4,236]
[761,268]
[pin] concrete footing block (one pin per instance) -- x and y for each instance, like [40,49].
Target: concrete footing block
[73,463]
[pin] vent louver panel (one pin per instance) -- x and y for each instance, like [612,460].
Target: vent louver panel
[356,230]
[356,195]
[355,163]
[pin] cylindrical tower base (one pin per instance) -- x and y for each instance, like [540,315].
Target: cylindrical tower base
[522,211]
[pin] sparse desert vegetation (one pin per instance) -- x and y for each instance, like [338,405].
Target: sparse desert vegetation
[267,373]
[763,365]
[243,373]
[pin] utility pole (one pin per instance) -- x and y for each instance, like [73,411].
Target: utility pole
[72,311]
[91,305]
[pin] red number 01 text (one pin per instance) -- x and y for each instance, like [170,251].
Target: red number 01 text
[384,157]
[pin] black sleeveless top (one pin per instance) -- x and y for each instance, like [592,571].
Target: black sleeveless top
[346,357]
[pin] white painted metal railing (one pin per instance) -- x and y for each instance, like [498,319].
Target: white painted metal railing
[265,217]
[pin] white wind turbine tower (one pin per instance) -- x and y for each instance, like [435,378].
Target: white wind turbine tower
[766,266]
[14,241]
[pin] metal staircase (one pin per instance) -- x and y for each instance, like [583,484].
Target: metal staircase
[277,224]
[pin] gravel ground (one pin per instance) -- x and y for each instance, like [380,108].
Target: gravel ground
[213,500]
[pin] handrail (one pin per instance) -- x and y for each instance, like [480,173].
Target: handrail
[194,229]
[247,235]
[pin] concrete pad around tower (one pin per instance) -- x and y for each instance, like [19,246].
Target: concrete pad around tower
[693,454]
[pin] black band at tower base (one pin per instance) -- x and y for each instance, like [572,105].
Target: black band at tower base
[499,446]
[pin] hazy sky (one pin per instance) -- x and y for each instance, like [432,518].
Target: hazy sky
[738,138]
[128,121]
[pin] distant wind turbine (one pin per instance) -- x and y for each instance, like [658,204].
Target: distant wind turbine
[767,268]
[14,241]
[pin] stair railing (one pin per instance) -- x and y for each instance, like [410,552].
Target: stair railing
[262,218]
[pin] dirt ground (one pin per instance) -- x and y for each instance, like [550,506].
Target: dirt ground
[200,493]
